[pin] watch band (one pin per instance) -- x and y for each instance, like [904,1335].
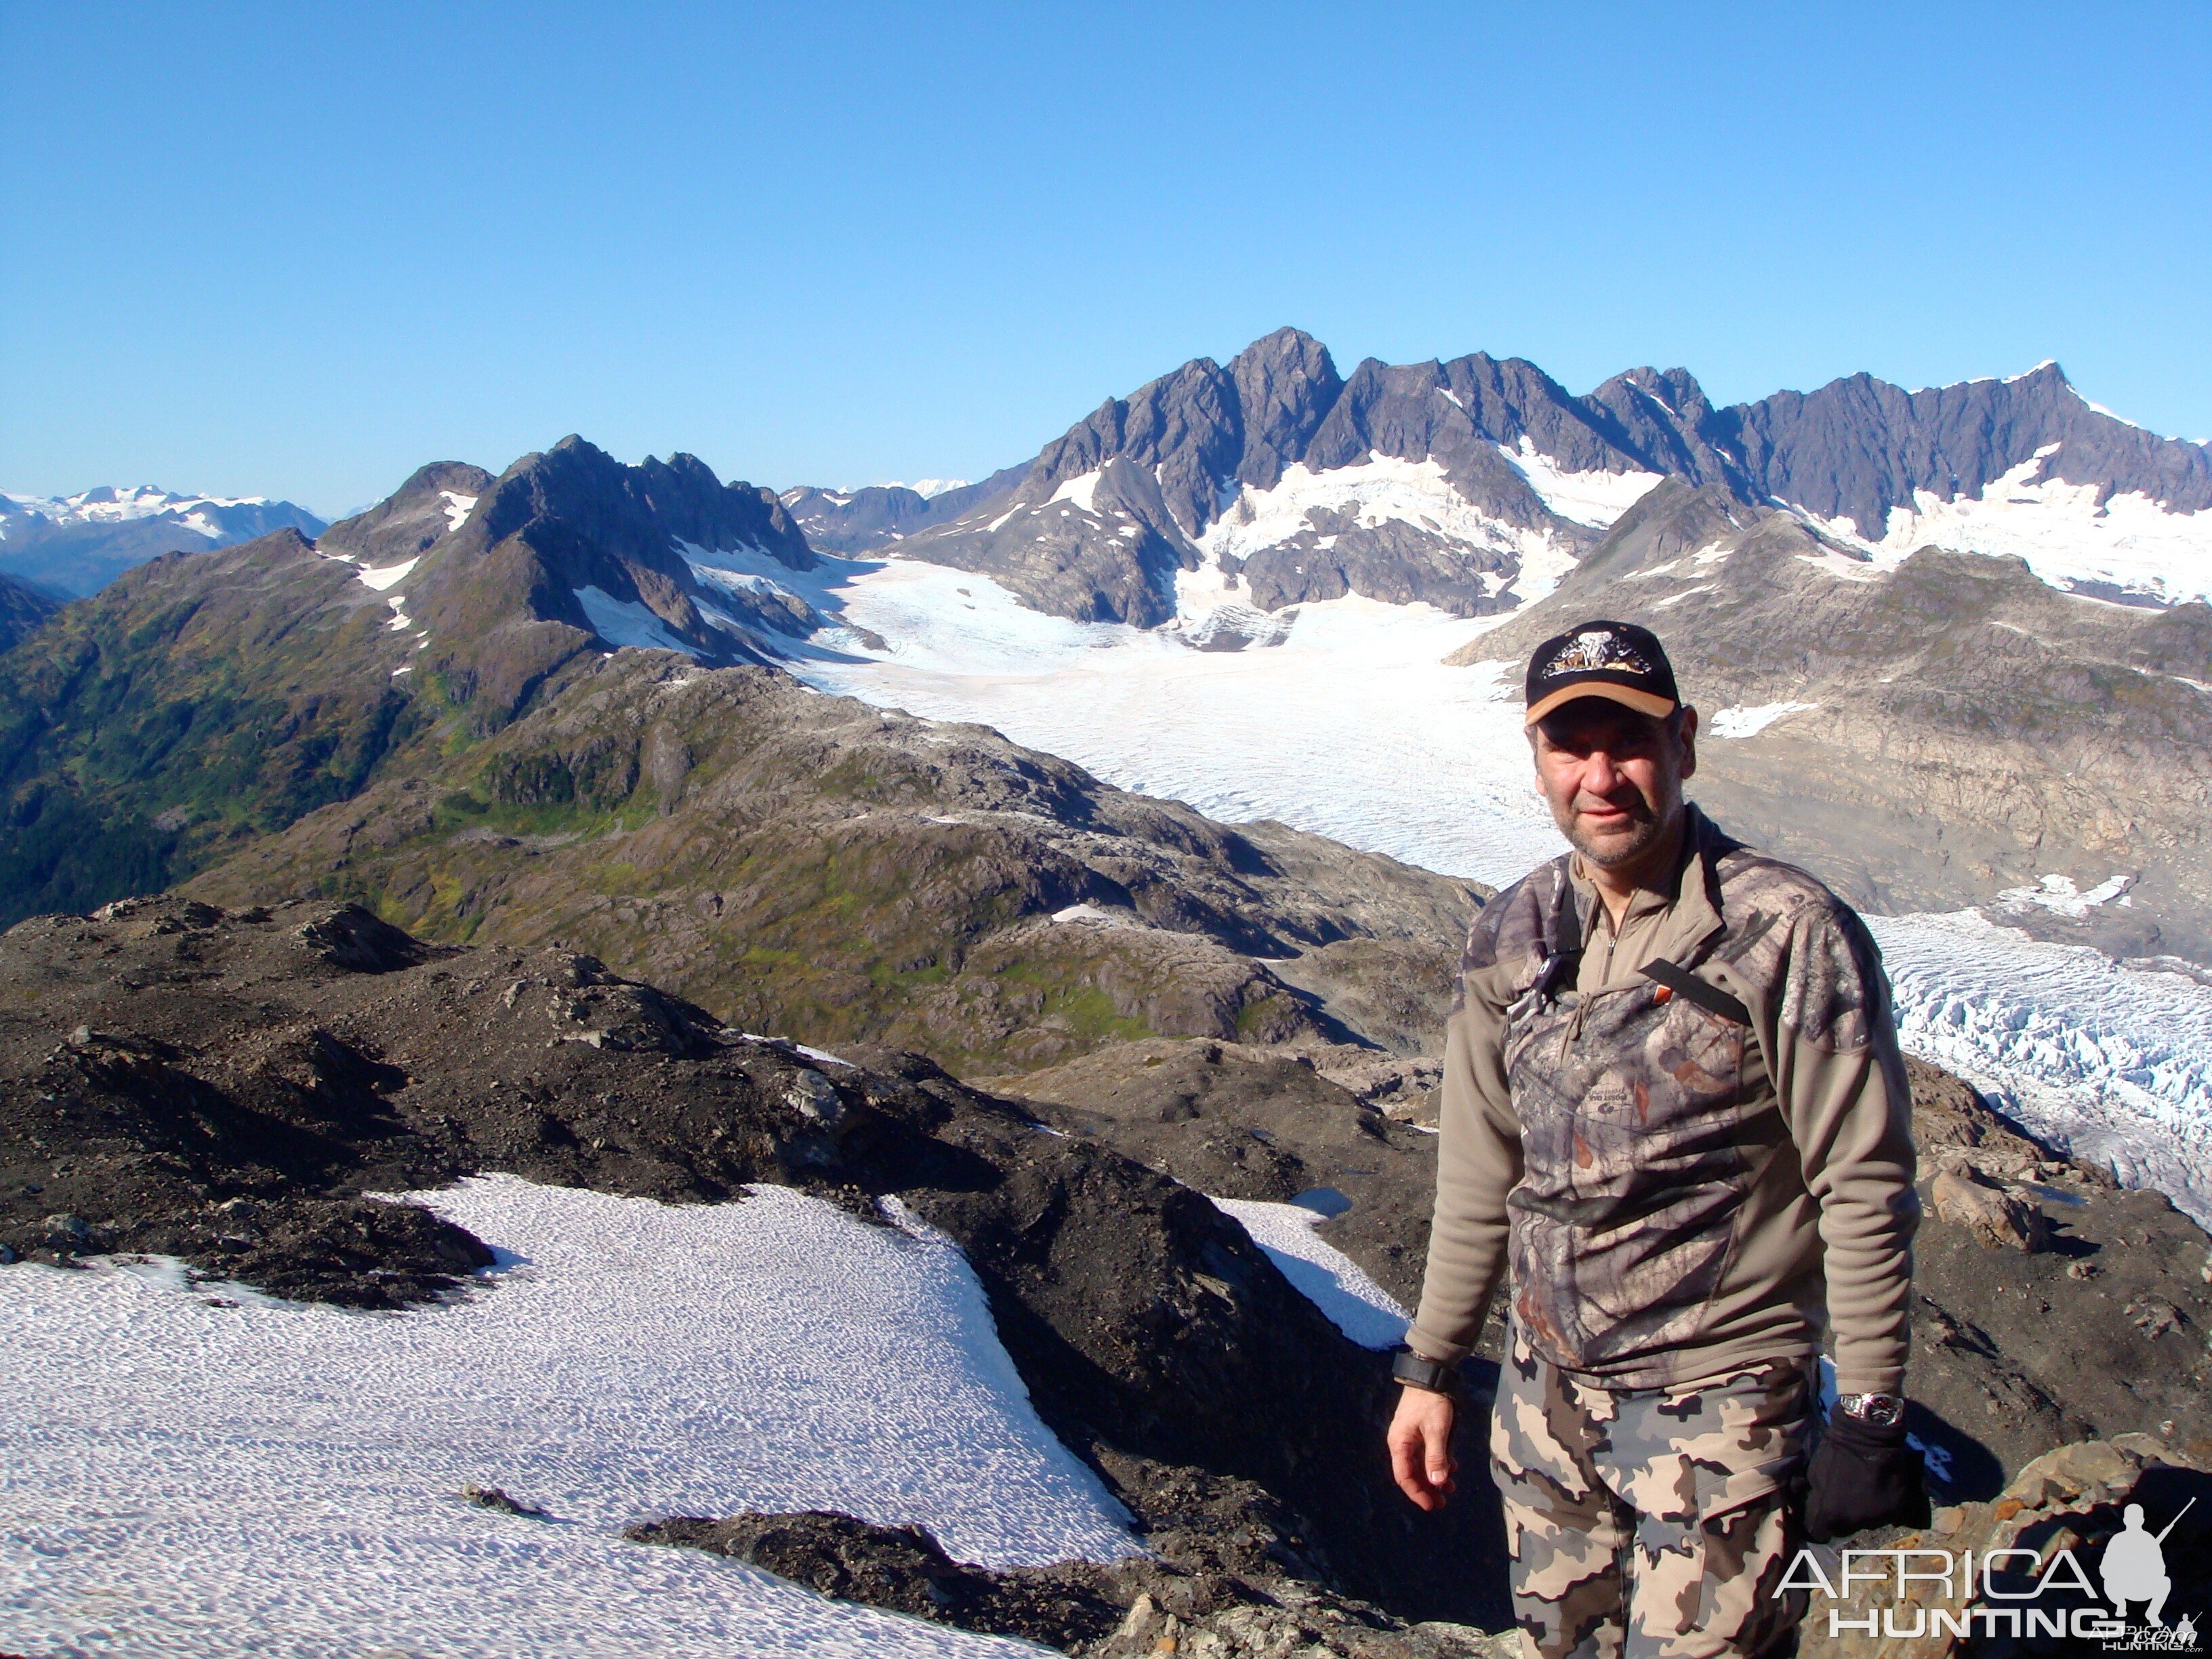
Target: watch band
[1416,1371]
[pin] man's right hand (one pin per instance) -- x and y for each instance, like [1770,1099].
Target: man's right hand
[1420,1446]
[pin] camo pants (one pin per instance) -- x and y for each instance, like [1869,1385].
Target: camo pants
[1651,1523]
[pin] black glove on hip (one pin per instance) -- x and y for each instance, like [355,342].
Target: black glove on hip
[1863,1477]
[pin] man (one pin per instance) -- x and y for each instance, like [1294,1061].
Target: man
[1673,1100]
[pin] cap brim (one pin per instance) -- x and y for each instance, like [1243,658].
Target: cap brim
[1644,703]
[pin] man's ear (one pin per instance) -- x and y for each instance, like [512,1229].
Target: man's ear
[1689,736]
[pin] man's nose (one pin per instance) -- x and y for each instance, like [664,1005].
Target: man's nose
[1599,775]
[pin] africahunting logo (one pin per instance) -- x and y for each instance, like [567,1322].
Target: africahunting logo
[2001,1592]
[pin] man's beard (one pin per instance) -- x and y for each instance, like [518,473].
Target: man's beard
[1615,849]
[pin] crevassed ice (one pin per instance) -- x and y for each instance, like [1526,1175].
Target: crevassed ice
[181,1478]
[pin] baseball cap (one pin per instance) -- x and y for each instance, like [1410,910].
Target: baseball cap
[1611,660]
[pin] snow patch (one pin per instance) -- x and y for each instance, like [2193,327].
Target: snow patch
[627,622]
[1379,490]
[1323,1274]
[1082,492]
[2129,542]
[182,1479]
[1749,722]
[1094,912]
[1595,498]
[1842,566]
[390,576]
[458,509]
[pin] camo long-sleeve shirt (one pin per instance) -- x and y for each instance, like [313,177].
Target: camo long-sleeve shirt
[1684,1178]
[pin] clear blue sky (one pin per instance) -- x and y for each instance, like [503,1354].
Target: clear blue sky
[298,249]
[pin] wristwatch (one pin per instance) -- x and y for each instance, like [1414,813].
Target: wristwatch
[1417,1371]
[1876,1411]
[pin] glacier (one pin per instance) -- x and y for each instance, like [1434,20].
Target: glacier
[1351,727]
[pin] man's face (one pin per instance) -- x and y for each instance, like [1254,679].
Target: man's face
[1613,777]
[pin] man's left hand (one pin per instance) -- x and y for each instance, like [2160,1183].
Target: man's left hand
[1864,1476]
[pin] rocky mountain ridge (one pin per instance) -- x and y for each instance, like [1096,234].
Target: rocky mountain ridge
[76,544]
[1466,484]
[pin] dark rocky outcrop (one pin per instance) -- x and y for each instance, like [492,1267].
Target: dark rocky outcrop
[177,1077]
[1191,1597]
[1237,1122]
[413,518]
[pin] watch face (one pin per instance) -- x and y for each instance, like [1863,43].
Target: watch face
[1883,1411]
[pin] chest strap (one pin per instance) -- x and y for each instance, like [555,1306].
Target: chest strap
[1703,992]
[1565,962]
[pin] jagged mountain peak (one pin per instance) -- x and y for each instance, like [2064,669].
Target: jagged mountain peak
[432,503]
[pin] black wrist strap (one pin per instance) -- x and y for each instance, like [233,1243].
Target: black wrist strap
[1419,1372]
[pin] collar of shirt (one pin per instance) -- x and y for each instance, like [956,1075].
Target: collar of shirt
[1670,919]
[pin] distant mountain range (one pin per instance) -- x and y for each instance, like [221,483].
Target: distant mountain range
[1949,641]
[1474,484]
[78,544]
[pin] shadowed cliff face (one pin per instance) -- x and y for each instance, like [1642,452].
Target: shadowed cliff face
[21,610]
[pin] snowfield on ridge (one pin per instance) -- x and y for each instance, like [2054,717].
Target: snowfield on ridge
[626,1360]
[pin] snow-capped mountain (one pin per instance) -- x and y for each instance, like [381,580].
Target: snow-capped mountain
[503,580]
[79,543]
[854,521]
[1473,485]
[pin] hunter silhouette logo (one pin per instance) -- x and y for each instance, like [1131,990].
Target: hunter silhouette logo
[2134,1565]
[1600,649]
